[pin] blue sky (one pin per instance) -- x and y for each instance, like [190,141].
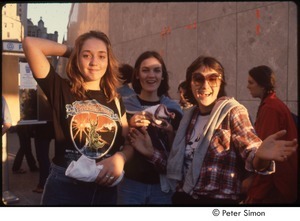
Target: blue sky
[54,15]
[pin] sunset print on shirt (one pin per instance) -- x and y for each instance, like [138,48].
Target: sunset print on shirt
[93,128]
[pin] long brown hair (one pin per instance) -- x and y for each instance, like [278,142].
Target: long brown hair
[111,78]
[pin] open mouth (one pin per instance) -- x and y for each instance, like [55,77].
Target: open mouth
[151,81]
[203,94]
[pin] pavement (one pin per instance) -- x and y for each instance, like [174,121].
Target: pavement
[20,186]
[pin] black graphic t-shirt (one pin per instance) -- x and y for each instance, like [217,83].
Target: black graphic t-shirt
[91,127]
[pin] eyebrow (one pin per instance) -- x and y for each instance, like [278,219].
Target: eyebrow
[152,66]
[207,74]
[101,52]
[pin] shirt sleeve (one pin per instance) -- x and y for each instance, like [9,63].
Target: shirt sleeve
[53,85]
[245,139]
[159,160]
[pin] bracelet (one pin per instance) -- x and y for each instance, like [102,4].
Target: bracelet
[123,155]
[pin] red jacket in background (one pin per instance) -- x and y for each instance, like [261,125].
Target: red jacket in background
[281,187]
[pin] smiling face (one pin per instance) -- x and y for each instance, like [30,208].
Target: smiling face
[150,76]
[93,61]
[205,91]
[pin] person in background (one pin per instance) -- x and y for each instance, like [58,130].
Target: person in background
[183,101]
[25,133]
[272,115]
[126,71]
[145,181]
[216,144]
[89,120]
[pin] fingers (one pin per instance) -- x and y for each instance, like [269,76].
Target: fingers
[292,143]
[278,134]
[287,149]
[109,179]
[143,131]
[142,123]
[140,120]
[282,158]
[111,169]
[106,180]
[133,133]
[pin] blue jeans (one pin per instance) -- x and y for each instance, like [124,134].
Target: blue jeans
[63,190]
[131,192]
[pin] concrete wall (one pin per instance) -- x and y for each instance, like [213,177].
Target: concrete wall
[87,16]
[240,35]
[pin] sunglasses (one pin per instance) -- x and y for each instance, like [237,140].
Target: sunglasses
[212,79]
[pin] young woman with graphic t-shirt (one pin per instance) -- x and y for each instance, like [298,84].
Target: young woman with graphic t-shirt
[88,119]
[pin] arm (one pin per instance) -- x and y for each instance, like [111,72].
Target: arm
[36,51]
[127,150]
[258,155]
[246,141]
[114,165]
